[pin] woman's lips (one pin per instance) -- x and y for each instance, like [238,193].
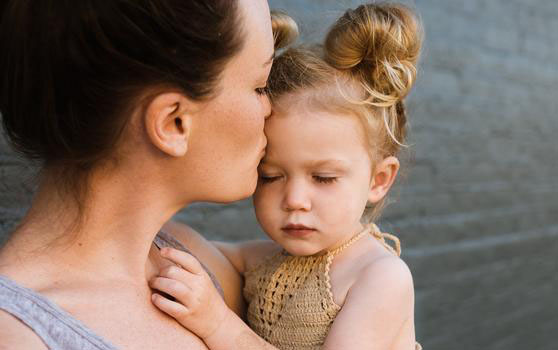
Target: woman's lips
[263,151]
[297,230]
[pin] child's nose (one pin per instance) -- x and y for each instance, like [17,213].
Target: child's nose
[296,197]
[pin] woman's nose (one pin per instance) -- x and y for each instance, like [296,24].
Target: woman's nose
[266,106]
[296,197]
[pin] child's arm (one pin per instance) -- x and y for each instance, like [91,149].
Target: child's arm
[199,307]
[245,255]
[378,310]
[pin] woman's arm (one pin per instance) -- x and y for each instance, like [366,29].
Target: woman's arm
[378,310]
[246,255]
[233,252]
[235,334]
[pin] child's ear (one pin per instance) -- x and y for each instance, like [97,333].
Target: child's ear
[383,177]
[168,123]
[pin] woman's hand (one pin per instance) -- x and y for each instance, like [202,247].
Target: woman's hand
[197,305]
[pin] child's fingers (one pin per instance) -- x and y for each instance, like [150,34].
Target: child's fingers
[169,307]
[179,274]
[174,288]
[187,261]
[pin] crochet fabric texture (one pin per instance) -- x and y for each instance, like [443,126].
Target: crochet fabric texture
[290,303]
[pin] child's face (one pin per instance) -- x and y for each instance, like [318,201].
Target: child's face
[314,180]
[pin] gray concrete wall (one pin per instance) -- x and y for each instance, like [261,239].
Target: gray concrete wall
[478,209]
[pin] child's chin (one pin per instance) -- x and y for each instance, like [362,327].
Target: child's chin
[302,251]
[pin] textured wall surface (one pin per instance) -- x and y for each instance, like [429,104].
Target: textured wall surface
[478,209]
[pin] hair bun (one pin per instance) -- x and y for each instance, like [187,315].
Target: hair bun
[379,44]
[285,29]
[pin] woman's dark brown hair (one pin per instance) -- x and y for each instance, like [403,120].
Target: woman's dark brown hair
[71,73]
[71,70]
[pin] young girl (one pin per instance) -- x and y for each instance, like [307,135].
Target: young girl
[328,280]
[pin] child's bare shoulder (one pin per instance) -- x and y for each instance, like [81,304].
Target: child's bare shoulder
[366,267]
[387,270]
[385,278]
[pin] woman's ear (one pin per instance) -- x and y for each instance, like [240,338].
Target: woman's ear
[383,177]
[168,123]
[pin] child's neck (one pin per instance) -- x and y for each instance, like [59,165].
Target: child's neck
[352,234]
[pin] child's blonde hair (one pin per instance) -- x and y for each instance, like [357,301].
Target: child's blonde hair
[366,67]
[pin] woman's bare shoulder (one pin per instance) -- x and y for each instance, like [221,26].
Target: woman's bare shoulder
[184,233]
[16,335]
[196,243]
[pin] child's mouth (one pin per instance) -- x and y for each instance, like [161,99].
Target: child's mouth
[297,230]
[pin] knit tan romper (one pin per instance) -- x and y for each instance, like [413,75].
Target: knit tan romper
[290,303]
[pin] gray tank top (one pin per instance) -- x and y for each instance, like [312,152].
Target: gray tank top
[57,328]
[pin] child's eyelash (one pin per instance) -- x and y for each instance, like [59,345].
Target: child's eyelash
[320,179]
[324,179]
[268,179]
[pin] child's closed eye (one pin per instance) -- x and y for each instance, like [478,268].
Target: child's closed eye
[325,179]
[265,179]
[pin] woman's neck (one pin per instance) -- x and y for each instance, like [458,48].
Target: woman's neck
[121,215]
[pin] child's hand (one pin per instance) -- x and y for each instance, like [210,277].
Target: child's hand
[197,306]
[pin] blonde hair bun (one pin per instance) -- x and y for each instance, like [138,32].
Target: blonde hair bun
[378,44]
[285,29]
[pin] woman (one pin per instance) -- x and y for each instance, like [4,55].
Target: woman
[135,109]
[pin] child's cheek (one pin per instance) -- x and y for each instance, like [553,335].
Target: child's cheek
[341,206]
[265,204]
[257,199]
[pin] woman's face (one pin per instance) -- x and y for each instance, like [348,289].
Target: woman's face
[227,137]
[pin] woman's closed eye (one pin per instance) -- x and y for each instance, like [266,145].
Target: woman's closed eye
[262,90]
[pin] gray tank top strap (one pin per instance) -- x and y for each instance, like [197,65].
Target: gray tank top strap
[56,328]
[164,239]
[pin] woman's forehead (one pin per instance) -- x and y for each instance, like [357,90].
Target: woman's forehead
[253,61]
[257,31]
